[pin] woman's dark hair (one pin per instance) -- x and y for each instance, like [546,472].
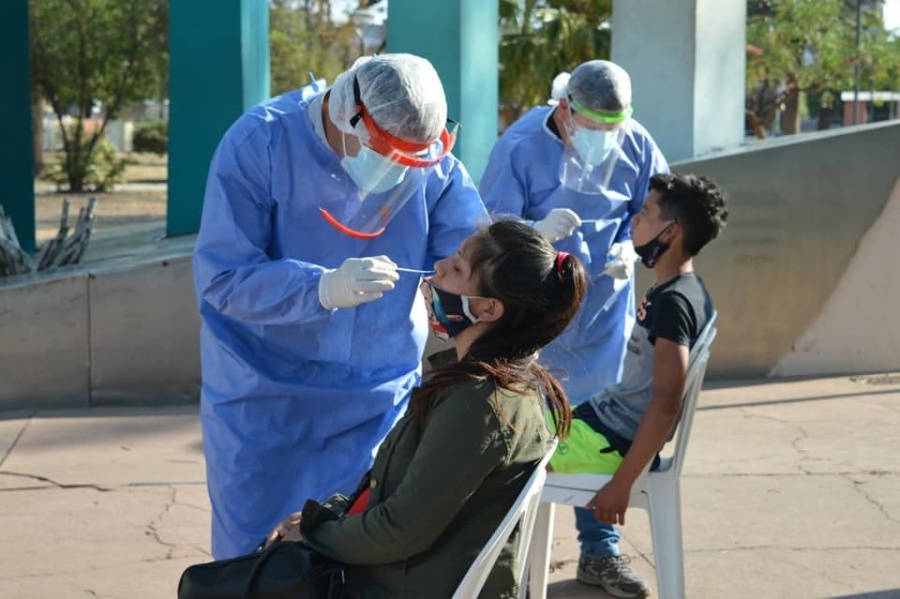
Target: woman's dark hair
[696,203]
[541,290]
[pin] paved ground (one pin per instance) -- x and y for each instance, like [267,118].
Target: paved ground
[791,489]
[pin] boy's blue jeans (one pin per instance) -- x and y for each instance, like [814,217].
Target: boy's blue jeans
[596,538]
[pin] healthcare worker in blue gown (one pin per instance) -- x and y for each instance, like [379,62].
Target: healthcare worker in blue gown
[312,333]
[579,170]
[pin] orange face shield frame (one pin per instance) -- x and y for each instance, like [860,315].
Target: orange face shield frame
[400,151]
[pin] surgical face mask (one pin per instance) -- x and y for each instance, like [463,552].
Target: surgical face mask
[653,249]
[372,172]
[448,313]
[593,145]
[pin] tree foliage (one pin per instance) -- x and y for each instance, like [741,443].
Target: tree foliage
[542,38]
[151,136]
[86,53]
[304,38]
[810,46]
[539,39]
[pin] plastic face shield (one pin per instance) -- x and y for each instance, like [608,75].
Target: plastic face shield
[385,174]
[593,149]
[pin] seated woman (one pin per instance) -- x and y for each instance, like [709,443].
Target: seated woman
[451,468]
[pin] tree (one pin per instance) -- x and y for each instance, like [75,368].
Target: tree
[542,38]
[303,38]
[798,46]
[95,53]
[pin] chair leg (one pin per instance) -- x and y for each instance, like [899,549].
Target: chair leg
[539,555]
[665,528]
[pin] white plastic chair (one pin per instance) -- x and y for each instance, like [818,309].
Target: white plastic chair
[524,510]
[658,492]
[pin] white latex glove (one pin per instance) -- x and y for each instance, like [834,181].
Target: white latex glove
[357,281]
[620,260]
[558,224]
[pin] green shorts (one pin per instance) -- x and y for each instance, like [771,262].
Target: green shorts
[585,452]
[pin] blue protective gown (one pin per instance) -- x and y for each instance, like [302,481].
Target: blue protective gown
[296,398]
[522,178]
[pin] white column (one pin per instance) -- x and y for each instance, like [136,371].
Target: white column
[687,64]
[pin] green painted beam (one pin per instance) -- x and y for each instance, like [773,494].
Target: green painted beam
[460,37]
[218,69]
[16,157]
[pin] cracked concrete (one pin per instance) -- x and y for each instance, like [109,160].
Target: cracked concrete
[791,488]
[101,503]
[49,482]
[152,529]
[12,425]
[859,486]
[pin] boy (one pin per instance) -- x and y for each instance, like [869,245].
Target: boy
[620,430]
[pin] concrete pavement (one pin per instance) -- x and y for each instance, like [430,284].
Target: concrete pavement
[791,489]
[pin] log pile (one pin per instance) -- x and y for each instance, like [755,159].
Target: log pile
[61,250]
[13,260]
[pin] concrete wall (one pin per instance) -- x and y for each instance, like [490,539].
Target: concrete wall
[803,272]
[144,333]
[126,332]
[686,59]
[44,352]
[856,330]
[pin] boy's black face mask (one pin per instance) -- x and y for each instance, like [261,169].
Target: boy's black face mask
[653,249]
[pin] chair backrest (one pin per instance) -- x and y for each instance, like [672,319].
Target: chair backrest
[699,353]
[523,510]
[705,338]
[693,382]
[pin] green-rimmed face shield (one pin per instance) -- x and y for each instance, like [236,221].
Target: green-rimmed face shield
[604,118]
[593,147]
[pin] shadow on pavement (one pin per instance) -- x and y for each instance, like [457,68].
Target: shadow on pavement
[885,594]
[775,402]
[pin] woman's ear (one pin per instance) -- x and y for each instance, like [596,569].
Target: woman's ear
[490,309]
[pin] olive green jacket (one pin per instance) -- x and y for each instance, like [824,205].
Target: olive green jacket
[439,490]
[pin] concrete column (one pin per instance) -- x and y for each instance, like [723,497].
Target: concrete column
[687,64]
[219,68]
[460,37]
[16,157]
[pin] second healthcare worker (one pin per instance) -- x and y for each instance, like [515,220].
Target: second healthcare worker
[579,171]
[316,202]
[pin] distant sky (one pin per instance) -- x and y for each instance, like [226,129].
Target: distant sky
[341,8]
[892,14]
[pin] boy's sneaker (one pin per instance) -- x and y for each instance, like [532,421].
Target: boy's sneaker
[613,574]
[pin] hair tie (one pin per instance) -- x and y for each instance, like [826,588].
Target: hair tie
[560,259]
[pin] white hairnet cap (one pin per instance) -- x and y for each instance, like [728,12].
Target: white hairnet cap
[597,85]
[559,89]
[402,92]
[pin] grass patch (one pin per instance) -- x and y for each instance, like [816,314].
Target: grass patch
[145,168]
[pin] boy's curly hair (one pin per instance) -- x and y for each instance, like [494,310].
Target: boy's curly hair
[694,202]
